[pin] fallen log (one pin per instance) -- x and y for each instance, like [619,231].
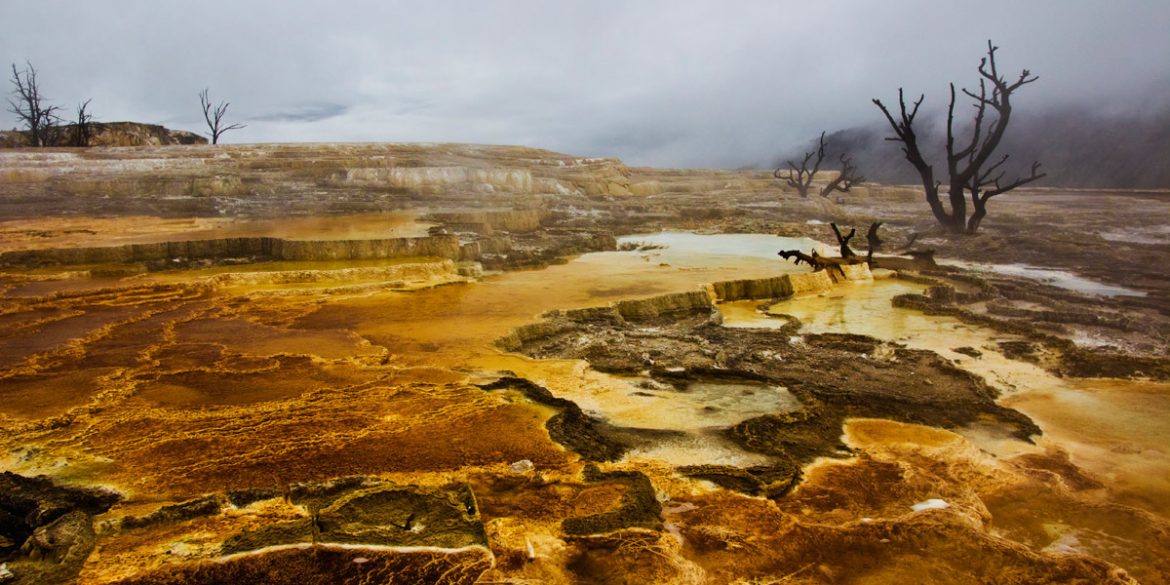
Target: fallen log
[848,256]
[818,262]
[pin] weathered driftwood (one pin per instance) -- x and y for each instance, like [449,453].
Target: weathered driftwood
[848,256]
[818,262]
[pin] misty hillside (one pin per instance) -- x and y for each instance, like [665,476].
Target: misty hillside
[1077,147]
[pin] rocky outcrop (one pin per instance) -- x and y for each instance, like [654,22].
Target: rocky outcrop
[114,134]
[46,530]
[348,530]
[639,506]
[137,134]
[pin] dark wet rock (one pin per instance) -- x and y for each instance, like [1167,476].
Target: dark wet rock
[246,496]
[329,565]
[1103,363]
[1019,350]
[394,516]
[862,344]
[64,541]
[941,294]
[276,534]
[772,481]
[1047,320]
[639,506]
[792,438]
[834,377]
[51,524]
[205,506]
[968,351]
[570,427]
[317,494]
[376,514]
[38,500]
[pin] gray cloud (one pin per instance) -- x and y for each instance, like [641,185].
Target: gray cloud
[304,113]
[674,83]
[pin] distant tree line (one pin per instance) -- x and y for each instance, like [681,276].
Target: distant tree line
[44,125]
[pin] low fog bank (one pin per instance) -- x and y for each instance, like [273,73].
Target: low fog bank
[1078,147]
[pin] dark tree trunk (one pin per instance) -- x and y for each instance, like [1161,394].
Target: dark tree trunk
[969,168]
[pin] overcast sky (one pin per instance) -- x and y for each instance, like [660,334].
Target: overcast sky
[665,83]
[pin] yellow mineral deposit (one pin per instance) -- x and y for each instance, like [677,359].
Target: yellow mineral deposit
[369,411]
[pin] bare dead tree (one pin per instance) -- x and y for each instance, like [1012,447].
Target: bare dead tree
[970,171]
[29,105]
[873,241]
[848,256]
[843,241]
[83,125]
[801,177]
[214,117]
[845,180]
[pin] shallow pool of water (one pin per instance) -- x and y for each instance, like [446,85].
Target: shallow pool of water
[1115,429]
[1051,276]
[689,248]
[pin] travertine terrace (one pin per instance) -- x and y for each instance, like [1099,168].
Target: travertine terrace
[372,363]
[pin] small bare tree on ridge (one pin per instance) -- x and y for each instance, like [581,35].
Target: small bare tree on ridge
[83,125]
[214,117]
[38,118]
[800,177]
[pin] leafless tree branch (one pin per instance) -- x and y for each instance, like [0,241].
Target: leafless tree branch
[29,105]
[214,117]
[968,167]
[801,177]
